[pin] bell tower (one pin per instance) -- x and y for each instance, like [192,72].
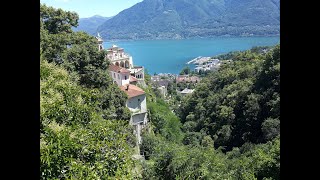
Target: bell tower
[100,41]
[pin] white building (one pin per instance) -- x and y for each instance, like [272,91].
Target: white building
[126,76]
[186,91]
[121,76]
[118,57]
[138,72]
[137,104]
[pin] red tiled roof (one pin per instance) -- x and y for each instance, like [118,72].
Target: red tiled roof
[124,70]
[181,78]
[188,79]
[132,91]
[133,79]
[194,78]
[118,69]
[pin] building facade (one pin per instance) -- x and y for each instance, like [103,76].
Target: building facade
[120,76]
[127,76]
[138,73]
[137,104]
[118,57]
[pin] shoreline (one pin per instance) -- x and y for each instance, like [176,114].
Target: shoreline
[189,38]
[177,53]
[199,60]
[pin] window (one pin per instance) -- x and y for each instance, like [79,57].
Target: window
[139,104]
[114,75]
[118,76]
[125,77]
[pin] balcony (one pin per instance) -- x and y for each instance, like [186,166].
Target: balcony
[137,110]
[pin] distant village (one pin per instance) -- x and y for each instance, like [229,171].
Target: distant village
[205,64]
[162,81]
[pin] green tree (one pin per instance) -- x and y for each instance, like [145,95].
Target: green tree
[75,141]
[185,70]
[57,20]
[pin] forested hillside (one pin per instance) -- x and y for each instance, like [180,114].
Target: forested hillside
[84,132]
[167,19]
[229,127]
[90,24]
[239,103]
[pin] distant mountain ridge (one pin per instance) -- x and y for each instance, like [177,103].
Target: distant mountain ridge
[174,19]
[91,24]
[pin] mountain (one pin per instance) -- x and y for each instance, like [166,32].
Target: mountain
[90,24]
[162,19]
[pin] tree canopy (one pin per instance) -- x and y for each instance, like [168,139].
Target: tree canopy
[84,131]
[240,102]
[229,127]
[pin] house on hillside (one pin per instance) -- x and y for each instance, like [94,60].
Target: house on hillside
[137,104]
[119,58]
[127,76]
[120,76]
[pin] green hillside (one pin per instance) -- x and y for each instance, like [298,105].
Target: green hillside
[90,25]
[152,19]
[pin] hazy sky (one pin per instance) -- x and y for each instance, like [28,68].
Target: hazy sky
[88,8]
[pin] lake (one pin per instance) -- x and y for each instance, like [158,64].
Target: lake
[170,56]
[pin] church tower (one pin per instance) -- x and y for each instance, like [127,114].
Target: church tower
[100,41]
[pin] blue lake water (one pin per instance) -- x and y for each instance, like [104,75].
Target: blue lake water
[170,56]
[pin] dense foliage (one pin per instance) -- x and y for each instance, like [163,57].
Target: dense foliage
[239,103]
[84,132]
[231,125]
[75,140]
[234,54]
[164,121]
[174,161]
[163,19]
[186,70]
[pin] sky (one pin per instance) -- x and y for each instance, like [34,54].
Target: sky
[88,8]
